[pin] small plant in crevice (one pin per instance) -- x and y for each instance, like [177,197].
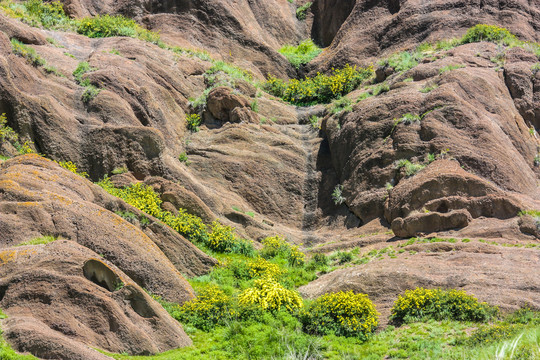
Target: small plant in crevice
[314,120]
[410,168]
[43,240]
[27,52]
[301,12]
[380,89]
[90,91]
[254,106]
[429,87]
[337,195]
[120,170]
[301,54]
[535,69]
[193,121]
[450,68]
[183,158]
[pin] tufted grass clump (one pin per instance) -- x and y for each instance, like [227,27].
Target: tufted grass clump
[269,294]
[210,308]
[321,88]
[102,26]
[301,54]
[342,314]
[26,52]
[277,245]
[483,32]
[440,304]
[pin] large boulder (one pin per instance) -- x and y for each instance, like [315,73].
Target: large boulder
[74,301]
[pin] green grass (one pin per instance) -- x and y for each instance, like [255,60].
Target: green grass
[450,68]
[301,12]
[301,54]
[26,52]
[39,241]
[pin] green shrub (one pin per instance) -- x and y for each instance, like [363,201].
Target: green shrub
[301,54]
[277,246]
[439,304]
[404,61]
[107,26]
[410,168]
[26,52]
[429,88]
[193,121]
[183,158]
[36,13]
[268,294]
[337,195]
[483,32]
[342,314]
[301,12]
[210,308]
[321,88]
[410,118]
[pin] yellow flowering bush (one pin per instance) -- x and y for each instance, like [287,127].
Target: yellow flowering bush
[268,294]
[144,198]
[439,304]
[276,245]
[210,308]
[343,314]
[321,88]
[264,268]
[68,165]
[6,132]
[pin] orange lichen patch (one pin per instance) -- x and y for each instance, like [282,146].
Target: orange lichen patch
[8,256]
[60,199]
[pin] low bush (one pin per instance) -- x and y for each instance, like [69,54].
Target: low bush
[211,307]
[276,245]
[439,304]
[410,167]
[483,32]
[342,314]
[268,294]
[264,268]
[301,54]
[6,132]
[321,88]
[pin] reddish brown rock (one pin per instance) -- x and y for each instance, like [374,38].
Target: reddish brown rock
[74,301]
[39,198]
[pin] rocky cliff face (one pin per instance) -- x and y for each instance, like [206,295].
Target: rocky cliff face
[257,163]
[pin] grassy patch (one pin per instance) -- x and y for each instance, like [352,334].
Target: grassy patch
[301,54]
[39,241]
[27,52]
[301,11]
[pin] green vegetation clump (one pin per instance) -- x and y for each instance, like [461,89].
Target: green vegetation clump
[337,195]
[39,241]
[321,88]
[26,52]
[450,68]
[483,32]
[90,91]
[223,240]
[6,132]
[301,54]
[342,314]
[439,304]
[341,106]
[301,12]
[107,26]
[410,168]
[49,15]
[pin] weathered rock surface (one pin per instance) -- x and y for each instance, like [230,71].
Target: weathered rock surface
[39,198]
[247,33]
[376,28]
[73,301]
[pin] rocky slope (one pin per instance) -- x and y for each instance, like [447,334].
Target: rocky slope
[257,164]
